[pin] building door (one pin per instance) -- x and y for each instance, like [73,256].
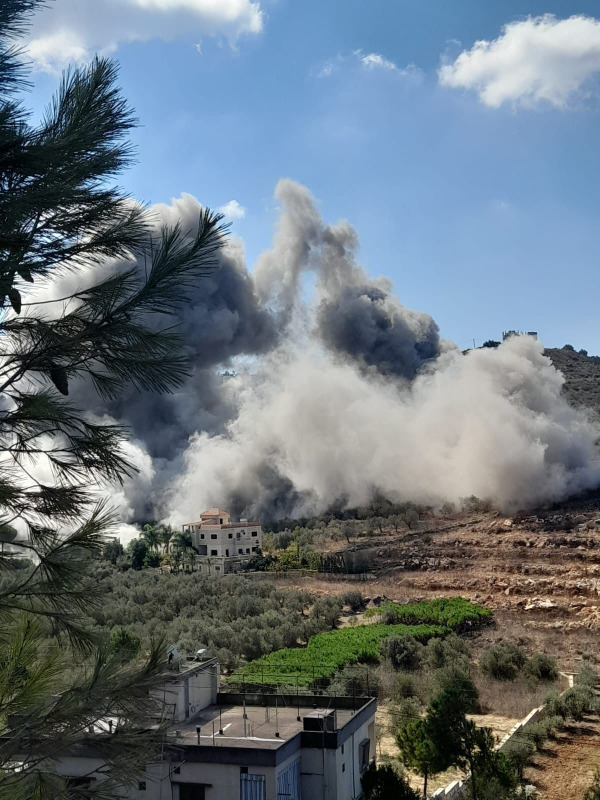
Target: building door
[192,791]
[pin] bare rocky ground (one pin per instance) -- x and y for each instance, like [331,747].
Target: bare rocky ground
[564,769]
[539,573]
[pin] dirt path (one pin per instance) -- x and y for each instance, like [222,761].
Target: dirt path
[564,769]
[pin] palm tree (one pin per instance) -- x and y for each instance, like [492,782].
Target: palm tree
[189,554]
[166,534]
[151,536]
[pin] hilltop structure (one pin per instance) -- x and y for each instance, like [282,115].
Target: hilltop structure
[223,546]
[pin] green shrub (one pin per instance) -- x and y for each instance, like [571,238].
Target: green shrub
[519,751]
[593,791]
[404,686]
[407,709]
[404,652]
[452,612]
[555,724]
[354,599]
[587,676]
[503,662]
[537,732]
[445,652]
[540,668]
[577,701]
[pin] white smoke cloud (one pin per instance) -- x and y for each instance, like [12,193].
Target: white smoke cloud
[334,418]
[341,391]
[73,30]
[534,62]
[492,423]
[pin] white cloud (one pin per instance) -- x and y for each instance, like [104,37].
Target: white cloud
[73,30]
[536,61]
[375,61]
[369,61]
[232,210]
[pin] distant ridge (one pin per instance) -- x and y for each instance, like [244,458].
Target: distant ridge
[582,376]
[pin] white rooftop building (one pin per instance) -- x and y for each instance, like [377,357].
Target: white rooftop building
[221,544]
[247,746]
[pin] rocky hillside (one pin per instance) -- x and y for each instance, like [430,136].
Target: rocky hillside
[582,376]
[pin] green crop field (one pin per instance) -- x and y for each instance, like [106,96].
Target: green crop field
[453,612]
[328,652]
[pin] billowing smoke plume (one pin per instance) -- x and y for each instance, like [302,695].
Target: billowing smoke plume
[341,392]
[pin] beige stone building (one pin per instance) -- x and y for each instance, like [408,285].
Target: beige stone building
[222,545]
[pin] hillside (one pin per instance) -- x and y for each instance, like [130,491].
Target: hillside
[582,376]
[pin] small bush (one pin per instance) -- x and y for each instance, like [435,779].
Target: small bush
[519,751]
[587,676]
[577,701]
[405,686]
[403,651]
[593,791]
[406,711]
[503,662]
[555,724]
[441,653]
[537,732]
[354,599]
[540,668]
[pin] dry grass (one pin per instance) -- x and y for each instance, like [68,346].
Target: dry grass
[514,699]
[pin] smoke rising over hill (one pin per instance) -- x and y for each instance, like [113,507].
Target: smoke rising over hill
[341,391]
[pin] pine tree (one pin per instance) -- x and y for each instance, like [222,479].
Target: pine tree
[61,211]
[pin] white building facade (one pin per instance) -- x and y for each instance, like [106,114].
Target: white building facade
[222,545]
[249,746]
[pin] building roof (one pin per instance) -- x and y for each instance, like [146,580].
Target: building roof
[258,731]
[213,512]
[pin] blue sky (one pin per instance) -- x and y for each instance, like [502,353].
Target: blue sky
[484,213]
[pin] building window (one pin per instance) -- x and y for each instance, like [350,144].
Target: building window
[217,569]
[220,521]
[238,535]
[141,786]
[254,549]
[241,551]
[343,768]
[247,549]
[254,533]
[226,552]
[230,535]
[202,536]
[213,536]
[363,754]
[342,749]
[213,552]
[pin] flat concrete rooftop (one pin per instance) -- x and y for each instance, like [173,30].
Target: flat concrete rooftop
[259,730]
